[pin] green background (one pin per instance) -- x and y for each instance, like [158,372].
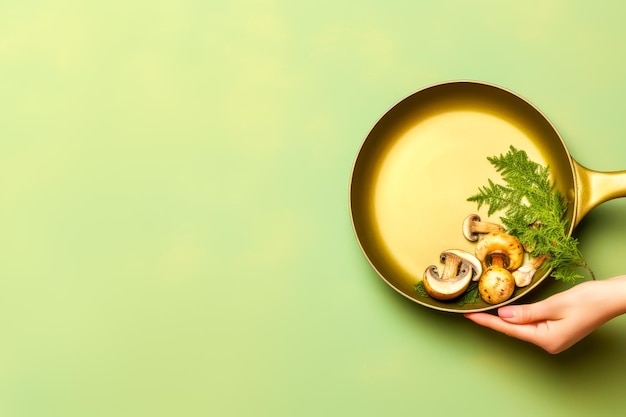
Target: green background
[175,237]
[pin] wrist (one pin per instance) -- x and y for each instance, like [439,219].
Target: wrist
[614,295]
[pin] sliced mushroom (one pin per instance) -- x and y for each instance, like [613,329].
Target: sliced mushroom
[500,244]
[473,226]
[459,268]
[524,274]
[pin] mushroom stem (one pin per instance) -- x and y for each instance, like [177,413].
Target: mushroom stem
[498,259]
[450,267]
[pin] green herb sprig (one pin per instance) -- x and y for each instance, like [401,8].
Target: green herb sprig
[534,211]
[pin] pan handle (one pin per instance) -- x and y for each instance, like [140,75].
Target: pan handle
[596,187]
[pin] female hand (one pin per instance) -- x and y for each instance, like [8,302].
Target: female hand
[558,322]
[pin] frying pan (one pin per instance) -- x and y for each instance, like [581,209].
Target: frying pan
[427,154]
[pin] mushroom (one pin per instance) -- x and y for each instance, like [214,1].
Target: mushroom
[524,274]
[499,254]
[472,226]
[500,244]
[496,285]
[459,268]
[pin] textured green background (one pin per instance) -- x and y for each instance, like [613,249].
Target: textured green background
[175,237]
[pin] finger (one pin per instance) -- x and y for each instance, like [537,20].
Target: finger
[528,313]
[526,332]
[488,320]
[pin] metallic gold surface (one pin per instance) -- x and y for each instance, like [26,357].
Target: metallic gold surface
[428,153]
[596,187]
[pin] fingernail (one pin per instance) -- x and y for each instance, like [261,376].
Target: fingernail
[506,312]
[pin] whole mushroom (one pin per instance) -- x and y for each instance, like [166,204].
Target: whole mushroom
[496,285]
[500,244]
[459,268]
[499,253]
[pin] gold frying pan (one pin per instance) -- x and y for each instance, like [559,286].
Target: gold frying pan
[428,153]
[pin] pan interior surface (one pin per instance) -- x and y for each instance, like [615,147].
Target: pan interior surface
[420,163]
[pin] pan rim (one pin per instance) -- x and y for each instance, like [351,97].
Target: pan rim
[351,202]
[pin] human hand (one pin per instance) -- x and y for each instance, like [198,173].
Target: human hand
[560,321]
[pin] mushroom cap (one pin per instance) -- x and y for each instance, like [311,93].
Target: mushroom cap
[496,285]
[503,243]
[452,283]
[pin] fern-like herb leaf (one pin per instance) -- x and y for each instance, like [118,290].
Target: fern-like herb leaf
[534,211]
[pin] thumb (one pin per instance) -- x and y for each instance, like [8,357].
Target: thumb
[525,313]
